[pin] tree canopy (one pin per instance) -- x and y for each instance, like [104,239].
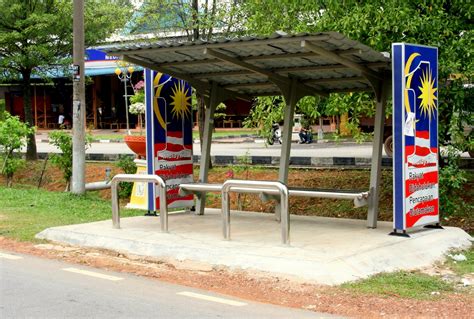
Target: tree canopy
[446,24]
[37,34]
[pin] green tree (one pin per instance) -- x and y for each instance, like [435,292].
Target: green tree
[446,24]
[265,111]
[36,35]
[194,20]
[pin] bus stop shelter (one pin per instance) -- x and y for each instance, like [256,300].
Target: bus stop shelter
[293,66]
[328,250]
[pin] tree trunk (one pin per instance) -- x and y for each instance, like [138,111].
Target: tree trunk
[195,6]
[31,153]
[9,180]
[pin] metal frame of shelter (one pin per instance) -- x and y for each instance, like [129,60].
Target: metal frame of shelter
[293,66]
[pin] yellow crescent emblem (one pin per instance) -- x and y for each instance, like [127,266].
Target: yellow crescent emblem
[408,85]
[156,108]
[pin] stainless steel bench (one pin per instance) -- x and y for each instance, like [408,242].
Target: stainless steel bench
[269,190]
[139,178]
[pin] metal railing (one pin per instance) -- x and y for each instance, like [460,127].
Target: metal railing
[198,188]
[246,186]
[359,197]
[139,178]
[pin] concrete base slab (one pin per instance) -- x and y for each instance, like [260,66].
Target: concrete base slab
[322,250]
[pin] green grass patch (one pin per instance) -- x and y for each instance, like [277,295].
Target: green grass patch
[401,284]
[109,136]
[26,212]
[462,267]
[228,133]
[217,133]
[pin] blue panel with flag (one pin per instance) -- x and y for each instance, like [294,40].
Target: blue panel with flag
[415,100]
[169,135]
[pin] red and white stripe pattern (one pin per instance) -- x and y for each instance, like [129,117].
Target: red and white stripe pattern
[421,186]
[174,163]
[174,148]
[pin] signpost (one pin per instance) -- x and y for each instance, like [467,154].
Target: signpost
[415,125]
[169,151]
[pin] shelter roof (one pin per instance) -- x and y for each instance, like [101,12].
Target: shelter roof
[322,63]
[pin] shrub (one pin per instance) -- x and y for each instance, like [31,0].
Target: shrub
[63,160]
[451,183]
[13,135]
[128,166]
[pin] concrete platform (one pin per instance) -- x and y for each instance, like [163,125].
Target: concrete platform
[322,250]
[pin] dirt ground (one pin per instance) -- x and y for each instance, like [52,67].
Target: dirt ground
[256,286]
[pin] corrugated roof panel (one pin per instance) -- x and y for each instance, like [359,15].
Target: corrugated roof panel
[253,60]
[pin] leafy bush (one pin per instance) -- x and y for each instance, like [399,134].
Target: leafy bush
[13,135]
[63,160]
[265,111]
[451,182]
[128,166]
[2,108]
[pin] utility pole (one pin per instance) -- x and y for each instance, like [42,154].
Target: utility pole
[78,101]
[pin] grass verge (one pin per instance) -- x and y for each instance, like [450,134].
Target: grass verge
[402,284]
[217,133]
[462,267]
[26,212]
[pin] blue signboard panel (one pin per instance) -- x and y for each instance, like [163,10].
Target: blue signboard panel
[415,125]
[97,55]
[169,136]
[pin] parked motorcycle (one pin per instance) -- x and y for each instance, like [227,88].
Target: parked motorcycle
[275,134]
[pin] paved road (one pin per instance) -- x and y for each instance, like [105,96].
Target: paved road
[31,287]
[240,149]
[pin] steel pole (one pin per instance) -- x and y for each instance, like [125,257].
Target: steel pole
[376,165]
[126,101]
[78,105]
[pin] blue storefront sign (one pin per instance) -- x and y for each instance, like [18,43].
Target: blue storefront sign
[97,55]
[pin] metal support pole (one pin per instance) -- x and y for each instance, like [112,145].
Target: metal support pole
[78,103]
[206,146]
[291,101]
[376,166]
[126,102]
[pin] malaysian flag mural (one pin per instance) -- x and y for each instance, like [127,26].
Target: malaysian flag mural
[415,124]
[169,136]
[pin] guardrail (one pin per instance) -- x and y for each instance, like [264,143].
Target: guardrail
[139,178]
[246,186]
